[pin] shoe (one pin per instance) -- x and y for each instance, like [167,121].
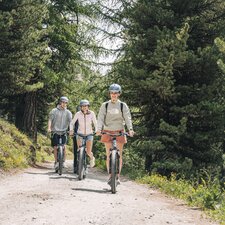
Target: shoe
[109,181]
[56,165]
[64,166]
[92,162]
[117,181]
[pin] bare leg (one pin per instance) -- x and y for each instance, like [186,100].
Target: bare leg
[89,149]
[78,144]
[64,153]
[120,147]
[55,153]
[107,147]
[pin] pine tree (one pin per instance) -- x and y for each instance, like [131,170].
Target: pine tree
[23,51]
[170,77]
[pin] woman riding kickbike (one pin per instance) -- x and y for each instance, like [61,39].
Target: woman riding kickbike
[86,120]
[112,116]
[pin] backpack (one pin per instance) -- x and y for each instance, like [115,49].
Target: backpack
[121,107]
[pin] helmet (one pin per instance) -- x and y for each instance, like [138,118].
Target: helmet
[64,99]
[84,102]
[115,88]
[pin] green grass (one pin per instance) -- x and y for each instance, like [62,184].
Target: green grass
[15,147]
[208,195]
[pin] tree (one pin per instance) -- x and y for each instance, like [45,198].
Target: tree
[173,83]
[23,57]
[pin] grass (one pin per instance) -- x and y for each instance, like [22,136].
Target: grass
[209,196]
[17,150]
[15,147]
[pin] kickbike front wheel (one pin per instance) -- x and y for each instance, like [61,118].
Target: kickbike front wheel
[113,166]
[81,166]
[60,159]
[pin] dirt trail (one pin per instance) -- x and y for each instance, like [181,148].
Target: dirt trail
[39,196]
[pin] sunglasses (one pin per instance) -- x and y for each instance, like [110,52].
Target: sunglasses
[84,105]
[64,102]
[114,93]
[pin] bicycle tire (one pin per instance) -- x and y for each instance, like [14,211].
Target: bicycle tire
[60,160]
[81,164]
[113,171]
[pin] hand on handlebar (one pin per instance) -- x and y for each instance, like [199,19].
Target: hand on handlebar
[71,133]
[131,133]
[98,133]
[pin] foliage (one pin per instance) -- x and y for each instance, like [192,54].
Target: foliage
[169,74]
[15,147]
[208,195]
[23,50]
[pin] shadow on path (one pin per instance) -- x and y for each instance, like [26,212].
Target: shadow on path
[103,191]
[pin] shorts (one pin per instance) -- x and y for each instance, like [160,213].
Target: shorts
[55,139]
[89,138]
[105,138]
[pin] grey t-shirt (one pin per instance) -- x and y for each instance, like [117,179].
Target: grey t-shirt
[60,119]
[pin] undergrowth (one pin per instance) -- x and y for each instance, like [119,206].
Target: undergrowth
[208,195]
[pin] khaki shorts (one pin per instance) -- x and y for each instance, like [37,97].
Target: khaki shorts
[105,138]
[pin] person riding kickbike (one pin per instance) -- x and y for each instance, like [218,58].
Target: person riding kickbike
[58,123]
[112,117]
[86,120]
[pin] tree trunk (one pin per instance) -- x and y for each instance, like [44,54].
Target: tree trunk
[29,115]
[148,163]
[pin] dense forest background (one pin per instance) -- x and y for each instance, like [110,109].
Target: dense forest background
[169,58]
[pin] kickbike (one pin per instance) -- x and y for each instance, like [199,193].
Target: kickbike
[82,157]
[60,152]
[114,160]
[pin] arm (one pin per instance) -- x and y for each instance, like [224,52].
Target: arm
[73,121]
[94,121]
[49,125]
[128,120]
[51,117]
[101,119]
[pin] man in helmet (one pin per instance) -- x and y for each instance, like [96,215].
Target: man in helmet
[86,121]
[58,123]
[112,117]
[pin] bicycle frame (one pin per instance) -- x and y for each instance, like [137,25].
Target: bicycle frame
[114,162]
[60,153]
[81,157]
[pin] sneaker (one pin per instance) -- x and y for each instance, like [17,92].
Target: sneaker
[64,166]
[117,181]
[56,165]
[92,162]
[109,181]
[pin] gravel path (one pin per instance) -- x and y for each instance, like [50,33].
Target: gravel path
[39,196]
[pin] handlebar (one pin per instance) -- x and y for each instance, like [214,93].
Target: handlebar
[84,136]
[116,134]
[66,132]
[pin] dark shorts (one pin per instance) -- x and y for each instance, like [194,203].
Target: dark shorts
[55,139]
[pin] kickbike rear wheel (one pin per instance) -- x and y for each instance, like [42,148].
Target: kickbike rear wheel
[81,166]
[60,159]
[113,171]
